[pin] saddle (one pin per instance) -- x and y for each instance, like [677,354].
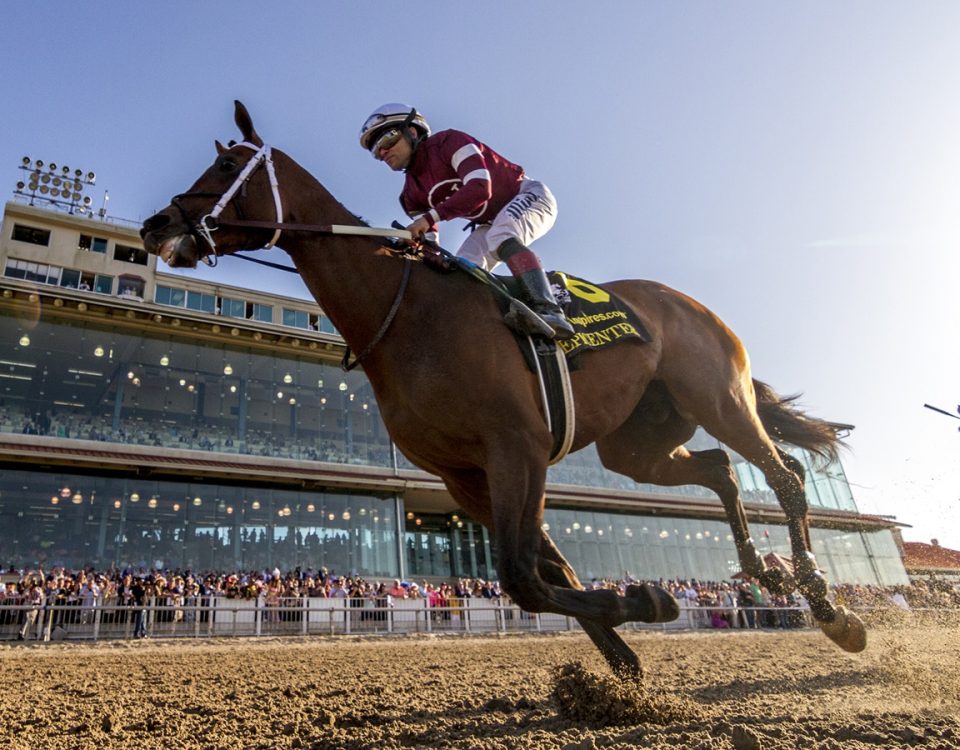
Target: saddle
[599,318]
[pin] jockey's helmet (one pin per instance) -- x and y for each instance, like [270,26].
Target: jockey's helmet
[389,116]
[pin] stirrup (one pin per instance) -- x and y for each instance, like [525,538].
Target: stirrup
[526,322]
[562,328]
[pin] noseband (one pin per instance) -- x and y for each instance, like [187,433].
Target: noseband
[208,223]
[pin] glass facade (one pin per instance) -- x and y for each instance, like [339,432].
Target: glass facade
[75,520]
[826,487]
[75,380]
[446,545]
[163,387]
[612,545]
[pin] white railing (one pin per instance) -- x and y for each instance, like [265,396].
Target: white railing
[222,617]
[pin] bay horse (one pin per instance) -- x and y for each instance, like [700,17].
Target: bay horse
[476,421]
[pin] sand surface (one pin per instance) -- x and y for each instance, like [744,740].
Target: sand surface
[702,690]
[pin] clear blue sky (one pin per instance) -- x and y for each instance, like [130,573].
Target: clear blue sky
[796,167]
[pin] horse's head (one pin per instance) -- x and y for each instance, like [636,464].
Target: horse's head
[240,185]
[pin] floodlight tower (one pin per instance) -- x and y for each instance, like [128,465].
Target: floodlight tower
[60,187]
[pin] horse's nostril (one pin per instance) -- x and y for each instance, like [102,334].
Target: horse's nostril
[155,222]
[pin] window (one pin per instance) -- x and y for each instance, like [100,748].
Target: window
[37,272]
[202,302]
[167,295]
[326,325]
[103,284]
[256,311]
[232,308]
[296,318]
[16,269]
[130,286]
[70,278]
[34,236]
[129,254]
[92,244]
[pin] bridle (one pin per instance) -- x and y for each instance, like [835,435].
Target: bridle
[210,222]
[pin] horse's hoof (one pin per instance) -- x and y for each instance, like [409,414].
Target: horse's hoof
[656,604]
[846,630]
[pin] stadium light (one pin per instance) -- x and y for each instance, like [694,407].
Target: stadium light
[61,187]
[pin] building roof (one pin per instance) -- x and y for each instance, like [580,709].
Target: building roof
[920,555]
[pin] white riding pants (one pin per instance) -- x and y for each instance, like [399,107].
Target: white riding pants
[529,216]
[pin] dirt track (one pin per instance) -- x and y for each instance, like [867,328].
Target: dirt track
[702,690]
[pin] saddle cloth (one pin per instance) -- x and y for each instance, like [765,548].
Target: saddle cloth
[600,319]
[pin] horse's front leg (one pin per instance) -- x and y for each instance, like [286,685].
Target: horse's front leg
[555,569]
[517,498]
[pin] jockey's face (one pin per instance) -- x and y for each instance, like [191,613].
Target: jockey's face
[397,156]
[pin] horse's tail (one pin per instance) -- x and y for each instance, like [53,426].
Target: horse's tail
[785,423]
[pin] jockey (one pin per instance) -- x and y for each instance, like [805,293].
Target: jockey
[451,175]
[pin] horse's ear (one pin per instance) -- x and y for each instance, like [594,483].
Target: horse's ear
[245,123]
[221,149]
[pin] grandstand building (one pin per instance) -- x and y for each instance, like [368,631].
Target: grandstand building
[149,419]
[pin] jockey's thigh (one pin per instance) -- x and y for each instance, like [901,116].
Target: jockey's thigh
[475,249]
[529,216]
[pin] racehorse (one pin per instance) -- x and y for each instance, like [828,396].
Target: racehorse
[476,421]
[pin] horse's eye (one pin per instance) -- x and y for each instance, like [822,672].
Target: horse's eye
[227,165]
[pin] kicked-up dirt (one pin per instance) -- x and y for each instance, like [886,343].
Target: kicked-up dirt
[732,689]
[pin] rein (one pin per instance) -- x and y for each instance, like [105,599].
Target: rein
[210,222]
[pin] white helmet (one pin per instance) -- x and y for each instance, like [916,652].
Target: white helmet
[394,114]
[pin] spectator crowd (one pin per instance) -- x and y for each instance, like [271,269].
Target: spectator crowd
[713,604]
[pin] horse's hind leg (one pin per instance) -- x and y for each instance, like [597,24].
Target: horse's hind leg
[717,473]
[555,569]
[785,476]
[648,447]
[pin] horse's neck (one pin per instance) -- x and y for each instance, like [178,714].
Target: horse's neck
[344,273]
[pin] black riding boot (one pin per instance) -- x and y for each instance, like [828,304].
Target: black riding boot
[525,266]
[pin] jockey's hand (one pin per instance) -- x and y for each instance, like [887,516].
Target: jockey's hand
[419,228]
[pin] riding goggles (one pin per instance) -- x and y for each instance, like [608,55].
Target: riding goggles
[387,139]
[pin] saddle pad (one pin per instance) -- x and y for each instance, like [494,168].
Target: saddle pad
[599,317]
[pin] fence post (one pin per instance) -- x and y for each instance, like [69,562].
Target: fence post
[97,613]
[426,609]
[46,627]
